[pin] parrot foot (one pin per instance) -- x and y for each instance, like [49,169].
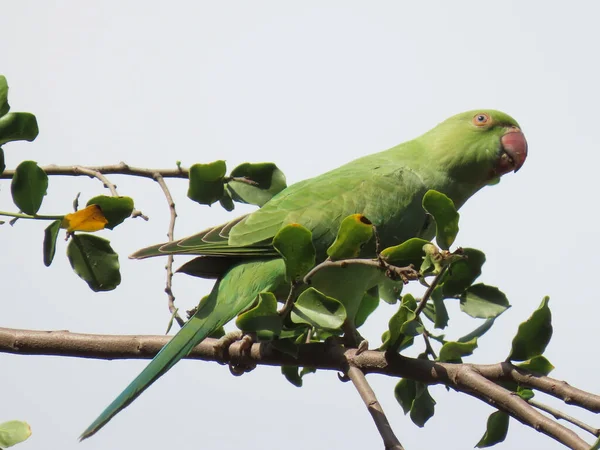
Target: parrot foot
[222,351]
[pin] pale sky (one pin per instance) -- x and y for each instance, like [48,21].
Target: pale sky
[309,86]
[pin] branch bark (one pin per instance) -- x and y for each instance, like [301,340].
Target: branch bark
[473,379]
[114,169]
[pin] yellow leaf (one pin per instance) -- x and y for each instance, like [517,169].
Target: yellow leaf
[87,219]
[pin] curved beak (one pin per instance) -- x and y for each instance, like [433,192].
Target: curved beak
[513,150]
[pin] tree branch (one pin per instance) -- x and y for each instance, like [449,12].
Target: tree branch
[473,379]
[561,415]
[114,169]
[361,384]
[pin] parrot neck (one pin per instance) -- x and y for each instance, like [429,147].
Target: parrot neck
[441,170]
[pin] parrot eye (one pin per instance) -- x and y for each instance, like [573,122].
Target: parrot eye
[481,119]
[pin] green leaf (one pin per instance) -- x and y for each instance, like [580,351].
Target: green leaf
[93,259]
[533,335]
[445,215]
[454,351]
[262,317]
[368,304]
[50,237]
[18,127]
[441,313]
[390,291]
[347,284]
[226,201]
[429,311]
[405,254]
[114,209]
[268,178]
[462,273]
[318,310]
[13,432]
[2,162]
[29,186]
[538,364]
[405,393]
[525,393]
[4,106]
[354,232]
[294,243]
[423,406]
[291,374]
[497,429]
[483,302]
[402,326]
[207,182]
[479,331]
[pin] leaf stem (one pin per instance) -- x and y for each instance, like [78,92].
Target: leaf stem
[27,216]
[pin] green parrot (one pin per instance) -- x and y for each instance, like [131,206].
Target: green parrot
[457,157]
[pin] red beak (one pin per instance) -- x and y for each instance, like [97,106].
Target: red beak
[514,147]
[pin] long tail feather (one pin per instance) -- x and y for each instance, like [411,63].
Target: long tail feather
[202,324]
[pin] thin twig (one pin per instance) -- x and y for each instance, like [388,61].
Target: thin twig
[430,290]
[241,180]
[428,348]
[98,175]
[405,273]
[171,236]
[93,172]
[289,302]
[367,394]
[558,414]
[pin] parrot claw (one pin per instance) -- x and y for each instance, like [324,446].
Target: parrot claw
[223,344]
[222,351]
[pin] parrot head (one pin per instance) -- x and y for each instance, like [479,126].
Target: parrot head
[479,146]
